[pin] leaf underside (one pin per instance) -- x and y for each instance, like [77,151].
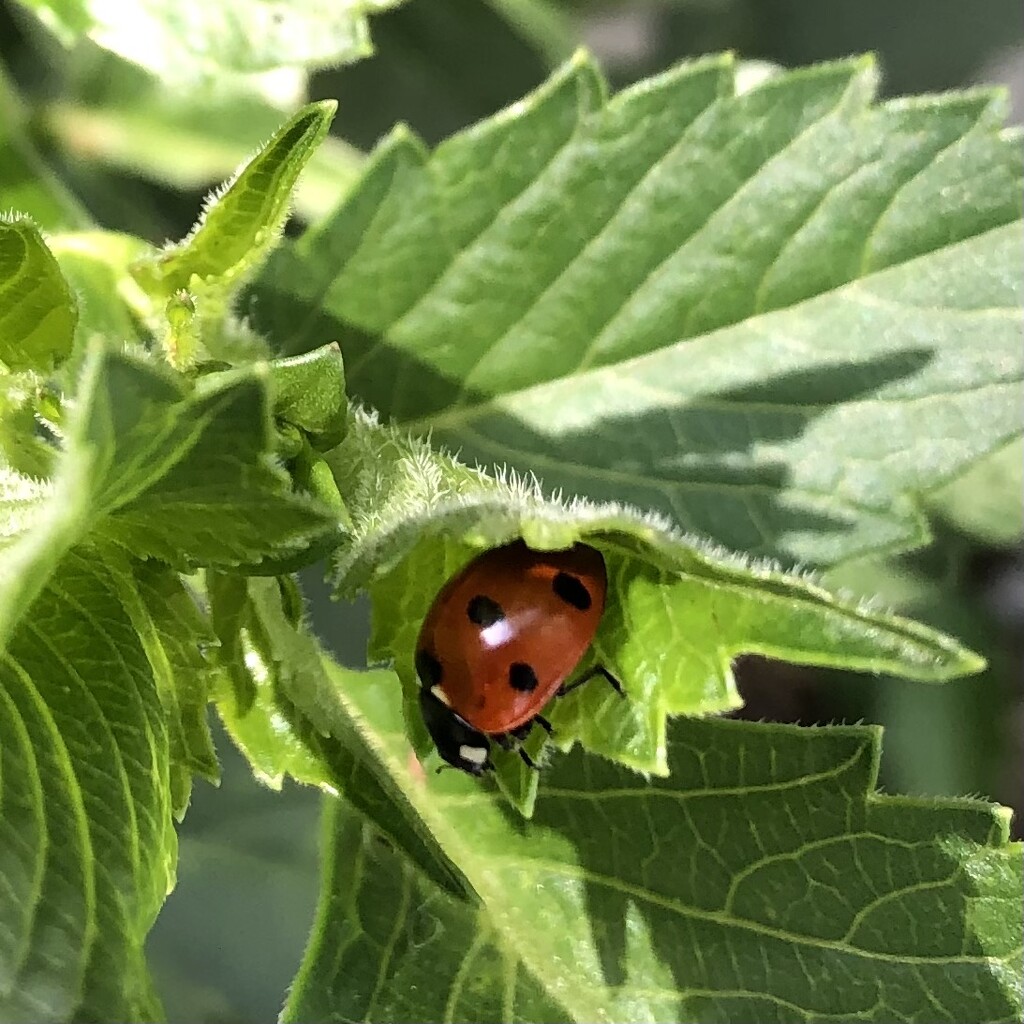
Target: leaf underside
[89,848]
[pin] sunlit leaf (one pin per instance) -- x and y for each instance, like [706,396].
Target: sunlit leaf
[779,317]
[193,40]
[764,880]
[241,225]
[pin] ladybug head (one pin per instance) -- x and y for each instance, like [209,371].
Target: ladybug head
[456,740]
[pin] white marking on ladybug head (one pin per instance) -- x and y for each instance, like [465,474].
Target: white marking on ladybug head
[441,696]
[474,755]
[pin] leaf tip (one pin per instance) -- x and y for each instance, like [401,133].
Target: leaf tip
[403,139]
[580,58]
[866,63]
[328,108]
[970,663]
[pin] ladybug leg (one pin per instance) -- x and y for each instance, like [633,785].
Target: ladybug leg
[527,760]
[513,741]
[544,724]
[597,670]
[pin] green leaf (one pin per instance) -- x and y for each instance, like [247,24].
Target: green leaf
[21,447]
[37,309]
[986,501]
[765,879]
[372,899]
[86,839]
[769,315]
[186,477]
[228,598]
[291,726]
[22,499]
[309,392]
[173,633]
[678,609]
[183,477]
[241,225]
[194,41]
[105,681]
[259,722]
[208,138]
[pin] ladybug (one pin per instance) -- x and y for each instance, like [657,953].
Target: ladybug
[500,641]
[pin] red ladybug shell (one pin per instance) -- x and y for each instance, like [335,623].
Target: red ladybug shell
[506,632]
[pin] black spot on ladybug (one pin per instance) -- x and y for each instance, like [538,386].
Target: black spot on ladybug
[522,677]
[428,668]
[571,591]
[484,612]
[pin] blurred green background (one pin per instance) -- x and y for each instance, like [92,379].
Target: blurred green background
[140,159]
